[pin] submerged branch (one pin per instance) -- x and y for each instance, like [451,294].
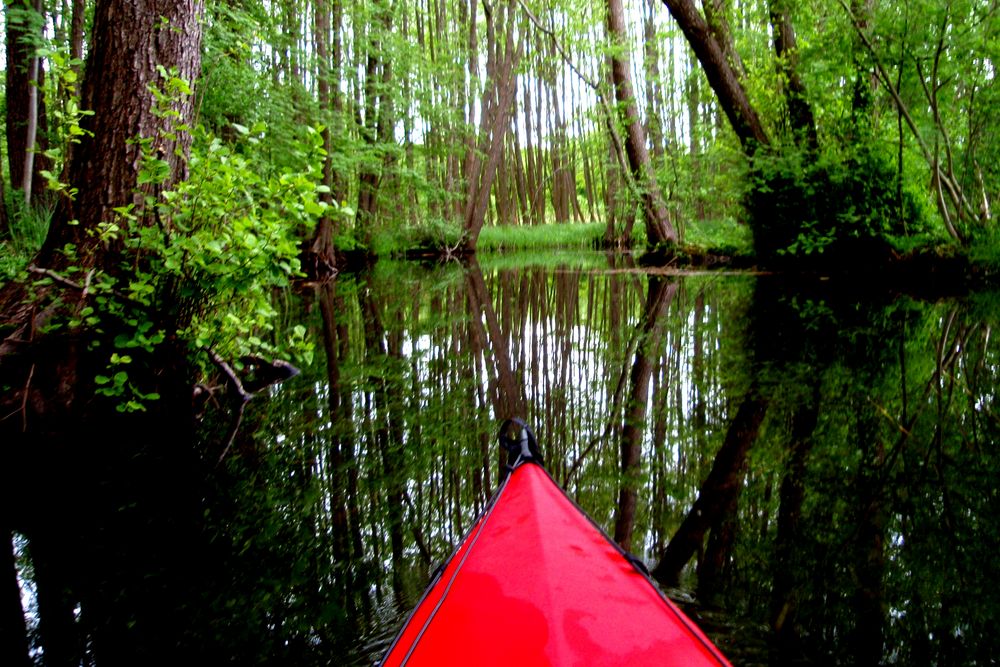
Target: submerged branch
[244,396]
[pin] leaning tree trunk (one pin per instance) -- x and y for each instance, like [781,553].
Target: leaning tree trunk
[723,483]
[648,350]
[497,102]
[721,74]
[800,113]
[659,229]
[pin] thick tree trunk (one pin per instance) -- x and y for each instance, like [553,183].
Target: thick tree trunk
[722,76]
[76,440]
[659,229]
[129,41]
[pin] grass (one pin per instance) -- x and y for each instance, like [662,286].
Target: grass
[723,237]
[524,237]
[20,242]
[548,258]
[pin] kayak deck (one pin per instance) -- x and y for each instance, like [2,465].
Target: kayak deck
[536,582]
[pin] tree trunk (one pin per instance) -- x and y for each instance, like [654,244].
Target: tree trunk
[505,391]
[5,230]
[20,91]
[377,122]
[13,630]
[77,22]
[340,440]
[787,568]
[31,134]
[803,123]
[387,433]
[106,162]
[57,412]
[497,102]
[659,229]
[722,76]
[320,258]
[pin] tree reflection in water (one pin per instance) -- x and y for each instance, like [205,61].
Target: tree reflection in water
[799,457]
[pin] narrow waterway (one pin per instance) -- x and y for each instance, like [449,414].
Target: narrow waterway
[840,440]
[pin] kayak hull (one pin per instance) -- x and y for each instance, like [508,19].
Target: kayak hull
[536,582]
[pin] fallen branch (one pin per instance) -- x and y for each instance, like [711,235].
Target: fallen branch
[244,396]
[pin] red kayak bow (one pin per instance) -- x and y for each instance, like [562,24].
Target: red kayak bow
[536,582]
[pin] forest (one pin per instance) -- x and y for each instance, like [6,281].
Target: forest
[773,130]
[204,205]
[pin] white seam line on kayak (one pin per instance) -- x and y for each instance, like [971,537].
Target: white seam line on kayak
[454,575]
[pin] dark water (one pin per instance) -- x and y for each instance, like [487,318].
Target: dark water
[842,440]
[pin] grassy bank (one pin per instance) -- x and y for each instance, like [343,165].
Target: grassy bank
[523,237]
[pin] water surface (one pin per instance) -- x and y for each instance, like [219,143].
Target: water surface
[809,465]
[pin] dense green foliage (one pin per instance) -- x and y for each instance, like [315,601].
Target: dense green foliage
[820,206]
[900,97]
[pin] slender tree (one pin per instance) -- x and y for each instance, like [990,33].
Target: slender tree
[26,112]
[659,229]
[497,102]
[661,294]
[802,120]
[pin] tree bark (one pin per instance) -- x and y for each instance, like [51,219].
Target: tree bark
[340,440]
[5,229]
[387,432]
[77,21]
[129,41]
[58,414]
[497,102]
[377,122]
[722,76]
[13,630]
[31,134]
[320,258]
[659,229]
[506,391]
[791,498]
